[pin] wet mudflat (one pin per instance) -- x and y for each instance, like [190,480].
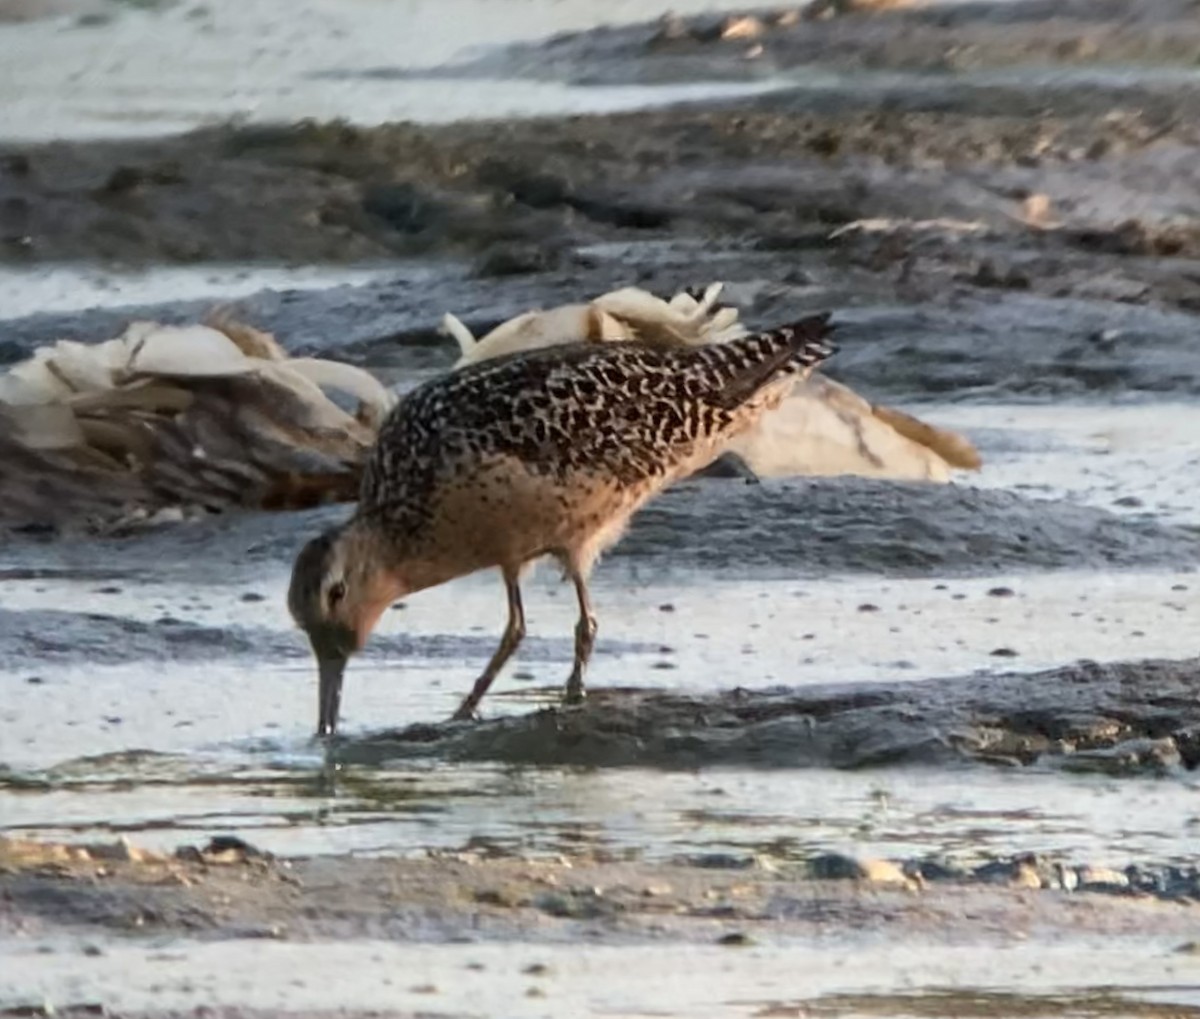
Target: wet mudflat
[362,935]
[856,748]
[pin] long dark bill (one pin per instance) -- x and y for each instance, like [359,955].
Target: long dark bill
[330,695]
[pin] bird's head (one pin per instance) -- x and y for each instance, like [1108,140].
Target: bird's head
[340,587]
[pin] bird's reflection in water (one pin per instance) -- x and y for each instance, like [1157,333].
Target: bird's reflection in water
[325,779]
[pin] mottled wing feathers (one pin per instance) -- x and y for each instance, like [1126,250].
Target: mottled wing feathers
[742,367]
[628,410]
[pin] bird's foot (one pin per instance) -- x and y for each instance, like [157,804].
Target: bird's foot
[574,695]
[466,712]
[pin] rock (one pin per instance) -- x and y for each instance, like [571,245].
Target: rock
[515,260]
[628,215]
[123,180]
[742,27]
[1036,210]
[1134,237]
[26,852]
[934,870]
[1026,876]
[785,18]
[1130,757]
[729,465]
[574,904]
[1019,872]
[403,207]
[1066,878]
[506,896]
[127,179]
[988,275]
[1105,340]
[17,164]
[720,861]
[122,851]
[1092,878]
[671,29]
[540,190]
[885,872]
[229,849]
[1187,742]
[835,867]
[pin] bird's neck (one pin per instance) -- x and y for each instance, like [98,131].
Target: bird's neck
[377,562]
[401,565]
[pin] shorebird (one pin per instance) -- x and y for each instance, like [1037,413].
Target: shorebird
[541,453]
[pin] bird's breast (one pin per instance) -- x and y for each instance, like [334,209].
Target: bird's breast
[506,512]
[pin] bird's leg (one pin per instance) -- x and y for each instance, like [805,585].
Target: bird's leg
[585,636]
[514,633]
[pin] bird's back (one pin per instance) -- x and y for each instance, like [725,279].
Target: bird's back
[630,412]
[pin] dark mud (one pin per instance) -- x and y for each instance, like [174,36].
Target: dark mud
[1031,236]
[851,36]
[980,345]
[1102,305]
[721,526]
[1128,718]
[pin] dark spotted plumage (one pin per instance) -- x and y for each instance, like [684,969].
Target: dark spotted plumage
[547,452]
[628,410]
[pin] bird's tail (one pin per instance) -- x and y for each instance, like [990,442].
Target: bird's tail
[746,365]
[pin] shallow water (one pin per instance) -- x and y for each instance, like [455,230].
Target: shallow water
[67,288]
[115,72]
[225,744]
[146,72]
[1131,460]
[700,637]
[227,738]
[913,978]
[274,798]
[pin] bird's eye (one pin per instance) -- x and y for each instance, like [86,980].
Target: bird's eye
[337,591]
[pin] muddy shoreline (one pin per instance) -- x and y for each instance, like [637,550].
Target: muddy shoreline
[1003,275]
[1017,239]
[223,896]
[227,889]
[997,201]
[756,41]
[775,529]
